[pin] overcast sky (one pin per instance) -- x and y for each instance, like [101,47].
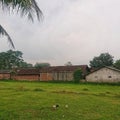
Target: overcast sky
[72,30]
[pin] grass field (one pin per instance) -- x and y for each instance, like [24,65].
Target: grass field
[35,100]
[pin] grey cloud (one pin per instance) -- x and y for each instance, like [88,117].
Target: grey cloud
[72,30]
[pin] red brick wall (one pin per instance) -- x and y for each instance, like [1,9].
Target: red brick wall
[46,76]
[27,77]
[5,76]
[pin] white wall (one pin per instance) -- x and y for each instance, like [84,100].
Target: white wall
[104,75]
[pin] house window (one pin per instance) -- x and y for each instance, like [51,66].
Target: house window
[96,76]
[109,76]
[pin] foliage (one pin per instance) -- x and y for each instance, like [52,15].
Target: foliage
[4,33]
[27,8]
[117,64]
[24,101]
[68,63]
[41,65]
[77,75]
[25,65]
[104,59]
[13,72]
[11,59]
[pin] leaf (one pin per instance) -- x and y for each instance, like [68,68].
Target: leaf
[3,32]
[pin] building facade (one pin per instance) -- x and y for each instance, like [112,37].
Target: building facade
[26,74]
[105,74]
[61,73]
[53,73]
[5,74]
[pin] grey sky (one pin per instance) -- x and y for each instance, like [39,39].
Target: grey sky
[72,30]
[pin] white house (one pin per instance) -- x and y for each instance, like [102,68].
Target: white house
[104,74]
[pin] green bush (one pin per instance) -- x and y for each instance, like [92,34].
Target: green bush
[77,75]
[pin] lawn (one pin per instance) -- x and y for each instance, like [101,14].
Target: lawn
[35,101]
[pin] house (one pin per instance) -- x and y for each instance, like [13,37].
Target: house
[61,73]
[29,74]
[104,74]
[4,74]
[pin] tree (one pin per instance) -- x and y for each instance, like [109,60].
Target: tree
[77,75]
[68,63]
[11,59]
[27,8]
[41,65]
[25,65]
[104,59]
[117,64]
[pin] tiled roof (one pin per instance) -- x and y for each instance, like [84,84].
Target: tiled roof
[4,71]
[84,68]
[28,71]
[112,68]
[34,71]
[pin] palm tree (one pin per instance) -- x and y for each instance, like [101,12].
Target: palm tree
[27,8]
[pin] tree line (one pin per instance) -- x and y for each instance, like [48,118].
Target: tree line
[104,59]
[13,59]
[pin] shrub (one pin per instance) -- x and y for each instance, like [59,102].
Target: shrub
[77,75]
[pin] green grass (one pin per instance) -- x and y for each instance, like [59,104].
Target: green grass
[35,100]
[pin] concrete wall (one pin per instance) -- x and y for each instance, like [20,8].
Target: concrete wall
[104,75]
[63,76]
[58,76]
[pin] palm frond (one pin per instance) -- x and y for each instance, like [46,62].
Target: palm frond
[3,32]
[25,7]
